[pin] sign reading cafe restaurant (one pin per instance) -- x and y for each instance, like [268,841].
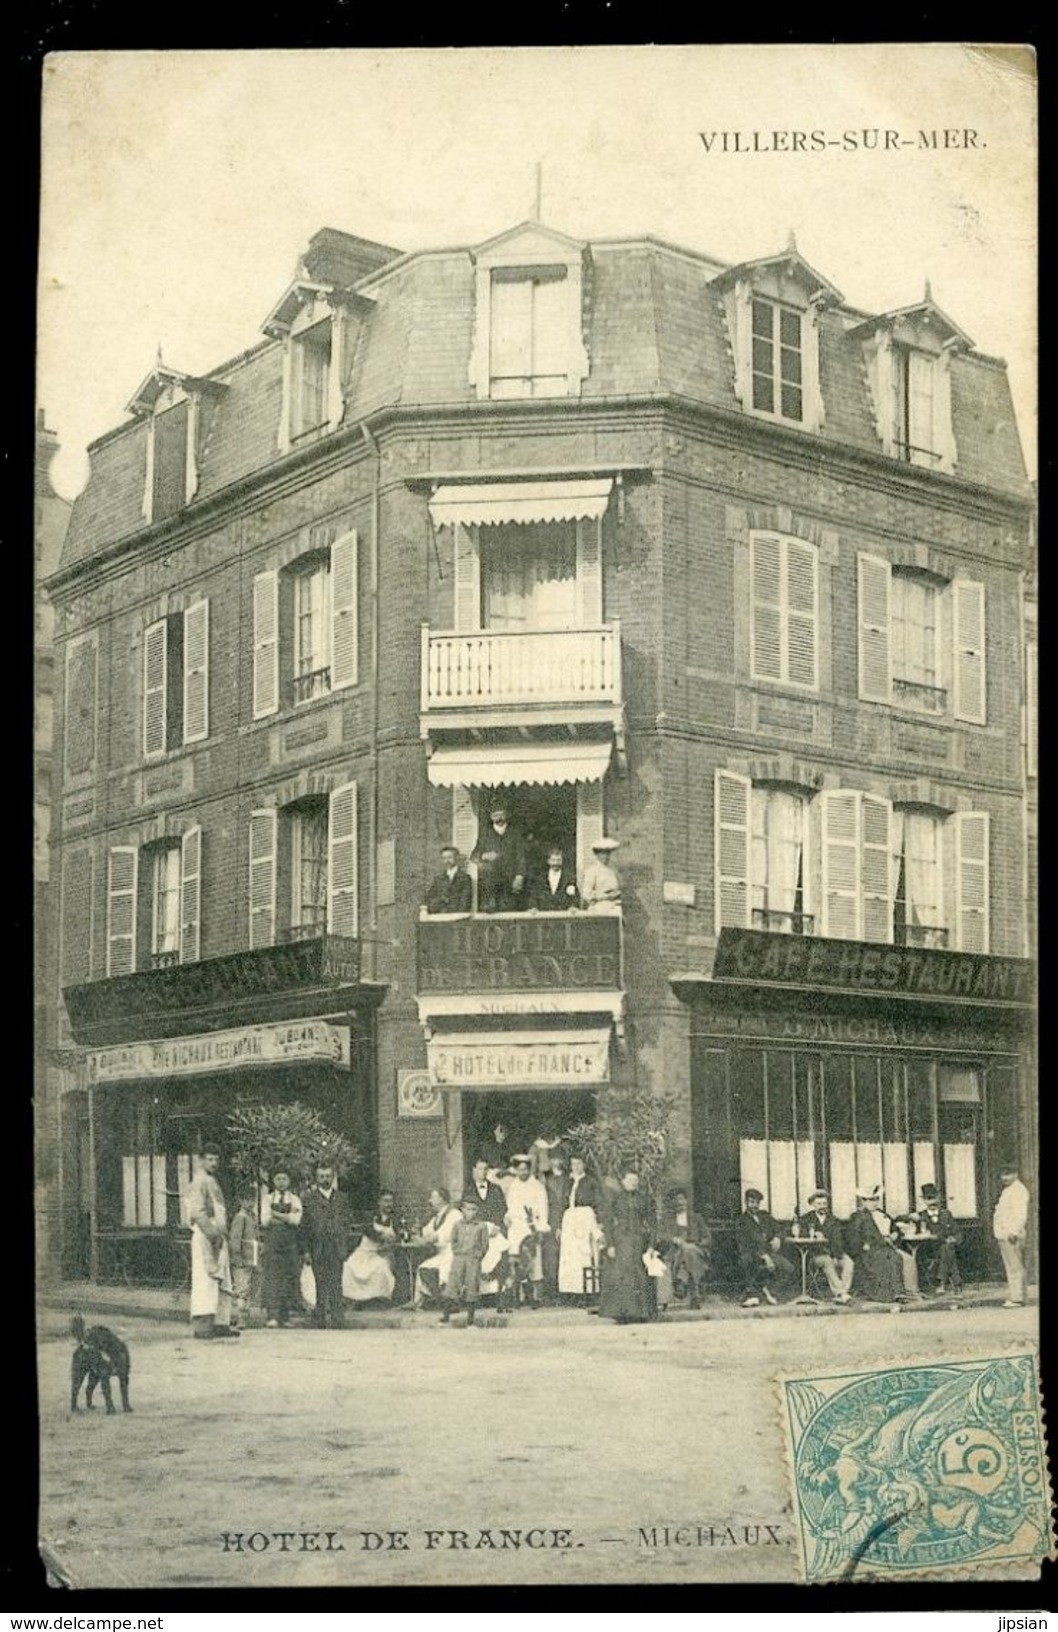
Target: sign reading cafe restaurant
[294,1040]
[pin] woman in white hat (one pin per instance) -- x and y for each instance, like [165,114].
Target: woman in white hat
[600,889]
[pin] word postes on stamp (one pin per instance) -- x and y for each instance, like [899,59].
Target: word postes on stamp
[920,1468]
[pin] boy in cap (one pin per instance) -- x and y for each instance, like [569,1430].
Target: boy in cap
[470,1240]
[601,888]
[819,1223]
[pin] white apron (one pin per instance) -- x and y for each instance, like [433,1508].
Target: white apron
[211,1283]
[579,1248]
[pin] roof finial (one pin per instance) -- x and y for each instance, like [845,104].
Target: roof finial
[158,360]
[928,295]
[539,190]
[791,242]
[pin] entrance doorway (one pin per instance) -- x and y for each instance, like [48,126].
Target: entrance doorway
[525,1117]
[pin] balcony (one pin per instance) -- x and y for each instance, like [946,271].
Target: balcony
[516,677]
[520,963]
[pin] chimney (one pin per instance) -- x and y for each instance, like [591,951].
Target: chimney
[341,259]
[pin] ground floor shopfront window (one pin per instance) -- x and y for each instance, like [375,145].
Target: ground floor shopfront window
[788,1121]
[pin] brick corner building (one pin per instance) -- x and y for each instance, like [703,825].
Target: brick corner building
[640,545]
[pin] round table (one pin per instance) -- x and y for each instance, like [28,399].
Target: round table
[806,1244]
[913,1242]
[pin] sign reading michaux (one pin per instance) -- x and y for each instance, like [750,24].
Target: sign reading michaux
[520,953]
[221,1051]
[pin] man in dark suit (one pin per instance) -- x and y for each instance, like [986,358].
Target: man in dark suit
[451,890]
[555,888]
[819,1223]
[556,1183]
[492,1205]
[939,1257]
[500,855]
[758,1242]
[327,1227]
[685,1246]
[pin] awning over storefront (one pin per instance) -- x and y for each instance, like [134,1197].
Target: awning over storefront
[525,764]
[493,503]
[532,1060]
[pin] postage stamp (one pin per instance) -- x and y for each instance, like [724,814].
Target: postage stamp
[917,1467]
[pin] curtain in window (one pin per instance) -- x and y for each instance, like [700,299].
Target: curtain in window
[753,1167]
[529,577]
[167,900]
[778,843]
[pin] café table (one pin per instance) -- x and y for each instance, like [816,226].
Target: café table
[806,1244]
[412,1252]
[912,1242]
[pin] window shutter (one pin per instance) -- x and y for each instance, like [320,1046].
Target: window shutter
[802,612]
[342,862]
[464,822]
[943,427]
[731,797]
[881,374]
[971,880]
[743,341]
[589,573]
[468,580]
[1031,685]
[265,644]
[263,827]
[191,895]
[589,822]
[874,592]
[344,641]
[155,687]
[875,869]
[80,705]
[812,416]
[968,600]
[121,909]
[196,672]
[841,864]
[766,598]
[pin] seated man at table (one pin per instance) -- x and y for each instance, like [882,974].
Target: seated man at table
[940,1258]
[685,1247]
[758,1242]
[831,1257]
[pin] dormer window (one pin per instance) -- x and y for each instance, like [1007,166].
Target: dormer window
[909,356]
[312,320]
[173,405]
[528,324]
[773,312]
[310,363]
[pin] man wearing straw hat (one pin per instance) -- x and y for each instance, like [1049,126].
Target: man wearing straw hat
[819,1223]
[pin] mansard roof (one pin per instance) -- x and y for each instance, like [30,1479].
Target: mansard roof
[655,326]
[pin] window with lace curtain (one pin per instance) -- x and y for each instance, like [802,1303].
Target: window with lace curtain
[777,862]
[308,869]
[918,907]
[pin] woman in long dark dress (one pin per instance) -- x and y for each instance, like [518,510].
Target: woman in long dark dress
[627,1291]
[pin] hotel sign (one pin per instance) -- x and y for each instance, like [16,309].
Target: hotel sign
[494,1063]
[520,952]
[290,1043]
[748,955]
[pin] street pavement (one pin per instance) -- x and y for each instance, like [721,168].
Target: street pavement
[557,1448]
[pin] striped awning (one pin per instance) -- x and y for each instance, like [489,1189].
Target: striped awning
[527,764]
[492,503]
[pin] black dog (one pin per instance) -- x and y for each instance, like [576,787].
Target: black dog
[99,1354]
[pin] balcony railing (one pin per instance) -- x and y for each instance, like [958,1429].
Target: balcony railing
[930,936]
[784,923]
[493,667]
[913,694]
[165,960]
[306,687]
[303,932]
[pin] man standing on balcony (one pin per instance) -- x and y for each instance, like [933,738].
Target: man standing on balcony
[451,890]
[500,855]
[601,889]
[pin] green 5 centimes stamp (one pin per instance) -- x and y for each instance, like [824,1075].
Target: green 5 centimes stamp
[920,1468]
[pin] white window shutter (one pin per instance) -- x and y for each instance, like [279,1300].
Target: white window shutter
[802,616]
[265,644]
[344,615]
[122,870]
[840,856]
[813,416]
[943,426]
[743,341]
[196,672]
[971,880]
[874,613]
[191,895]
[766,591]
[342,869]
[589,573]
[731,804]
[968,621]
[876,869]
[467,579]
[589,822]
[155,689]
[464,822]
[883,389]
[263,832]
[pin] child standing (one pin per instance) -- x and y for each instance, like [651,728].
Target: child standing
[470,1239]
[281,1267]
[244,1247]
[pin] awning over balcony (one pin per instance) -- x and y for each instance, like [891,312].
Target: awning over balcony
[525,764]
[504,1059]
[494,503]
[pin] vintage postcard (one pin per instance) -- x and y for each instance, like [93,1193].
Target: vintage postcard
[536,817]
